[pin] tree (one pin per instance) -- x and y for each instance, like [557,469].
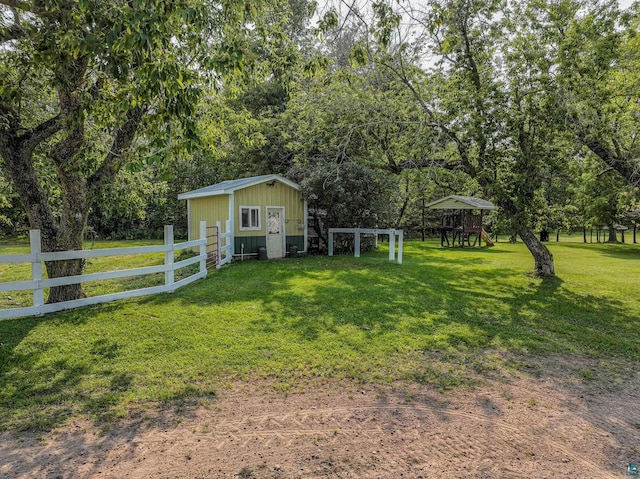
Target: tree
[346,194]
[84,83]
[485,96]
[596,51]
[603,197]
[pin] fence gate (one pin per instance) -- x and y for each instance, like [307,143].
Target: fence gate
[213,243]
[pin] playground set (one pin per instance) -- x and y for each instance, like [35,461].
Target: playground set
[462,218]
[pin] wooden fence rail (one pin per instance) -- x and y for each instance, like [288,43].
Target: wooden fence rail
[38,283]
[224,252]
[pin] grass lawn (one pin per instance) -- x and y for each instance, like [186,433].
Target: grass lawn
[22,272]
[442,317]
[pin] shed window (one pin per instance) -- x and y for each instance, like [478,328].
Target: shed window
[249,217]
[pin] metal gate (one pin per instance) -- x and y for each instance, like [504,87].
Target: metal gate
[213,246]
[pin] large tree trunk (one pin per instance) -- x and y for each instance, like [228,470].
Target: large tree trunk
[544,266]
[67,234]
[613,234]
[70,236]
[17,150]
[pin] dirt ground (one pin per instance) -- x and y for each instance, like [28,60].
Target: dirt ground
[517,425]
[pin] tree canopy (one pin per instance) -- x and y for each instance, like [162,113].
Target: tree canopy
[85,83]
[108,110]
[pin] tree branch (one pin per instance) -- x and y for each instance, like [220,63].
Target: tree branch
[122,141]
[33,137]
[604,172]
[13,32]
[419,163]
[624,166]
[26,7]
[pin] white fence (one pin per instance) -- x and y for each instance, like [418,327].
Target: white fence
[38,283]
[225,253]
[359,231]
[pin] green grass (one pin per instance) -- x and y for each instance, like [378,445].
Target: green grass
[22,272]
[442,318]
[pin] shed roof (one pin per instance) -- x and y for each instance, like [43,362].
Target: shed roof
[456,202]
[229,186]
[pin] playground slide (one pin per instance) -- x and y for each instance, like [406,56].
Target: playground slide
[485,238]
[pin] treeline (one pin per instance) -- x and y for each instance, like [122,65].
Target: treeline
[375,109]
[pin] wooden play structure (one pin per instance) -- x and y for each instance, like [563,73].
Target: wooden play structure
[462,220]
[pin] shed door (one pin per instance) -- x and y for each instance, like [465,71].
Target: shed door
[275,232]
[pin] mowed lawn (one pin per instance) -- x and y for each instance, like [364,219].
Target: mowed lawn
[443,318]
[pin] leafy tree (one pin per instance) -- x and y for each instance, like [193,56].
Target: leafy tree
[603,197]
[485,98]
[597,53]
[348,195]
[80,83]
[12,217]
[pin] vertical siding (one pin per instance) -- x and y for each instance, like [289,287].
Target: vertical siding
[277,195]
[210,209]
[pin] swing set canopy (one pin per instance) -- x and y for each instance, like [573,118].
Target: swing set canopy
[456,202]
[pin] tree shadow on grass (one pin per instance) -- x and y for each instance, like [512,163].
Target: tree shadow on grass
[435,321]
[624,251]
[431,320]
[433,301]
[42,387]
[45,380]
[430,323]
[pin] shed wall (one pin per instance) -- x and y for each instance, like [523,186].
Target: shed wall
[210,209]
[263,195]
[252,243]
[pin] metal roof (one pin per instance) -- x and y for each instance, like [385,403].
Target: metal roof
[456,202]
[229,186]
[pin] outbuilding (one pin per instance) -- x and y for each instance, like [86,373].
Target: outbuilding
[265,211]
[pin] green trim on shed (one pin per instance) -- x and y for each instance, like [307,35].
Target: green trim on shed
[252,243]
[296,240]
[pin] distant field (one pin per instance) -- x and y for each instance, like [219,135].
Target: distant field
[442,317]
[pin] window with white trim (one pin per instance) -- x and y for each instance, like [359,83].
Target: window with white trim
[249,218]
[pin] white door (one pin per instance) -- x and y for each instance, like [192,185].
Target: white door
[275,232]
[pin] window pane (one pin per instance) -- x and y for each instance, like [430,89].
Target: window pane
[245,218]
[254,218]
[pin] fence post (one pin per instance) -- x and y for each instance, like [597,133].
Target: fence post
[169,275]
[203,247]
[400,238]
[330,243]
[356,247]
[219,245]
[36,268]
[227,241]
[392,245]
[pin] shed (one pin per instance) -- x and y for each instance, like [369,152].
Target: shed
[263,211]
[459,222]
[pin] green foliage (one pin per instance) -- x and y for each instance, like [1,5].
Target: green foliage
[592,47]
[348,195]
[123,207]
[12,218]
[89,87]
[602,196]
[498,99]
[443,318]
